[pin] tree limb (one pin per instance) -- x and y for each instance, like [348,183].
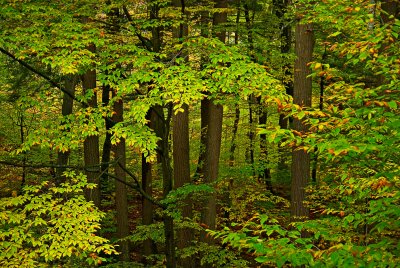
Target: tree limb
[44,76]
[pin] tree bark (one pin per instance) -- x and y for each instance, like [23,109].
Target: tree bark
[91,143]
[106,153]
[121,201]
[265,174]
[181,156]
[66,109]
[213,140]
[302,97]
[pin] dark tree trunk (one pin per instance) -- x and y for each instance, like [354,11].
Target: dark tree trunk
[182,176]
[321,106]
[265,174]
[21,125]
[147,206]
[234,134]
[164,149]
[302,97]
[203,136]
[121,201]
[390,8]
[106,153]
[181,157]
[204,108]
[281,7]
[252,131]
[213,140]
[91,143]
[67,105]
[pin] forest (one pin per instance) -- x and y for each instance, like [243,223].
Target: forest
[200,133]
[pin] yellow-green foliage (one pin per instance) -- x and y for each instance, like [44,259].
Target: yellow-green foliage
[48,224]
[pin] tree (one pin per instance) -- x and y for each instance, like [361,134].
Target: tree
[181,156]
[91,143]
[301,96]
[213,136]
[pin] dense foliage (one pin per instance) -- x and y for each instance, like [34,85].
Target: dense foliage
[134,70]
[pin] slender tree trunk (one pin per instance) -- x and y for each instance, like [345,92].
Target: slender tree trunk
[164,149]
[66,109]
[286,44]
[121,201]
[321,106]
[147,206]
[302,97]
[234,134]
[252,100]
[213,141]
[113,17]
[106,152]
[21,125]
[204,108]
[203,136]
[162,128]
[265,174]
[91,143]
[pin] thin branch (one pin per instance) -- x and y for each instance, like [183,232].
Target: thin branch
[137,187]
[47,78]
[145,42]
[85,168]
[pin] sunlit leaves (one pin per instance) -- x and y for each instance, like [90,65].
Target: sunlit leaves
[51,224]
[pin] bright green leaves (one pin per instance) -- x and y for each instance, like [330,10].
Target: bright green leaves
[51,224]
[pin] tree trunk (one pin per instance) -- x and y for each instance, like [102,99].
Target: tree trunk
[67,105]
[234,134]
[265,175]
[164,150]
[106,153]
[281,7]
[182,176]
[121,202]
[213,140]
[252,131]
[181,157]
[390,8]
[302,97]
[91,143]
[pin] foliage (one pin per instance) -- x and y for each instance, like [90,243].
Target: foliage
[51,225]
[354,209]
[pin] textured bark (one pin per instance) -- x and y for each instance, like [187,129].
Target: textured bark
[182,175]
[121,201]
[91,143]
[181,157]
[213,140]
[301,96]
[67,105]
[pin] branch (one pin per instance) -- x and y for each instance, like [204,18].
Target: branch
[145,42]
[47,78]
[85,168]
[138,187]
